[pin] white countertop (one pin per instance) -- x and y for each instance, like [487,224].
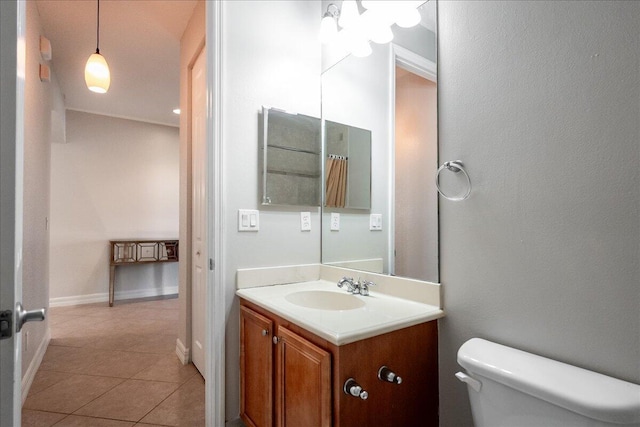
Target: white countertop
[381,313]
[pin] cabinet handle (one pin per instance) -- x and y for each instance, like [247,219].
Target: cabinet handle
[352,388]
[386,374]
[265,332]
[275,339]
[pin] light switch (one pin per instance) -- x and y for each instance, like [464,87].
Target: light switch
[335,221]
[248,220]
[305,221]
[375,222]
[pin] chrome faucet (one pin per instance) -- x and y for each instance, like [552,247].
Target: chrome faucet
[358,287]
[351,286]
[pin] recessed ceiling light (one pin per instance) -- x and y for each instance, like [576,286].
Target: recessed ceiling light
[176,111]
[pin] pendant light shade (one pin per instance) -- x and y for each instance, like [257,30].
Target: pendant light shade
[96,72]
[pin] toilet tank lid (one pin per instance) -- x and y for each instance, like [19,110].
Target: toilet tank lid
[584,392]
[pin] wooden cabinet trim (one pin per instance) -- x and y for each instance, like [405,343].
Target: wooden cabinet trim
[261,323]
[317,379]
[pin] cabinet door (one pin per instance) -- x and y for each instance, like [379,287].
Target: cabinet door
[256,369]
[303,382]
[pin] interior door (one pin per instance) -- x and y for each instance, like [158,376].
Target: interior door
[198,211]
[12,71]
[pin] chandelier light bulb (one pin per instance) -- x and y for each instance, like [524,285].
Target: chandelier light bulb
[348,14]
[361,48]
[328,29]
[408,17]
[382,35]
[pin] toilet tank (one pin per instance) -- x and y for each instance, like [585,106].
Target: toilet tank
[510,387]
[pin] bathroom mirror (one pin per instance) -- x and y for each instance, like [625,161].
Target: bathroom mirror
[291,162]
[392,93]
[347,166]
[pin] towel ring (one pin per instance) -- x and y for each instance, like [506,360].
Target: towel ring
[454,166]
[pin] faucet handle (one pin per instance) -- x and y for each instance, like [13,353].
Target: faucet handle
[364,287]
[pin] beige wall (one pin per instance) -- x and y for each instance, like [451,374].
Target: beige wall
[113,179]
[190,45]
[39,102]
[416,198]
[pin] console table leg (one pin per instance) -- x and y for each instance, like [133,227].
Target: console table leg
[112,280]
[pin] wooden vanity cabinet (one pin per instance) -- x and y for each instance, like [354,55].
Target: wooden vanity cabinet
[299,380]
[300,377]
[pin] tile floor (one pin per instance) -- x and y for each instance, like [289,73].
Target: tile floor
[115,367]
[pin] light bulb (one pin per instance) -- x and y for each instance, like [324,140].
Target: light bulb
[408,18]
[328,29]
[360,48]
[349,13]
[378,4]
[96,74]
[382,34]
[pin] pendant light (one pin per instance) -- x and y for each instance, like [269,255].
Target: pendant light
[96,72]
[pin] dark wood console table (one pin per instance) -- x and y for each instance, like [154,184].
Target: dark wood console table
[139,251]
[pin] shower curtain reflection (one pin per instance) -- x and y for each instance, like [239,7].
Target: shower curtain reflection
[336,173]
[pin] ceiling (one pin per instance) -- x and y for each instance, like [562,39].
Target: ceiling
[140,39]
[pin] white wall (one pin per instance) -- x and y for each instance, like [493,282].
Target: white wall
[112,179]
[541,101]
[271,56]
[39,102]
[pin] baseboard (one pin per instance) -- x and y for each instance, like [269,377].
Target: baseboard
[30,374]
[182,352]
[104,297]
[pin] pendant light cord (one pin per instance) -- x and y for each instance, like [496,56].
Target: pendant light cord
[98,30]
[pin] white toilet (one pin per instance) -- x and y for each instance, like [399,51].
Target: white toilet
[512,388]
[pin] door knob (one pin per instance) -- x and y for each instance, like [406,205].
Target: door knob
[352,388]
[23,316]
[386,374]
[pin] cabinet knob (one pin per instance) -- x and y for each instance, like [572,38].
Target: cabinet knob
[265,332]
[275,339]
[352,388]
[386,374]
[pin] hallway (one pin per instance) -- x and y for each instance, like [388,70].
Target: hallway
[115,367]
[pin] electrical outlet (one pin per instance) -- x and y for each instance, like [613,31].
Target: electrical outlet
[335,221]
[305,221]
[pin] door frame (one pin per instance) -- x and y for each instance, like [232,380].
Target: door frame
[216,279]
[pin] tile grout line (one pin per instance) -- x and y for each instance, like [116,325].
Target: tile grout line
[99,331]
[160,403]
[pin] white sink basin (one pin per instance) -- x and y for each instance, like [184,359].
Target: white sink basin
[324,300]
